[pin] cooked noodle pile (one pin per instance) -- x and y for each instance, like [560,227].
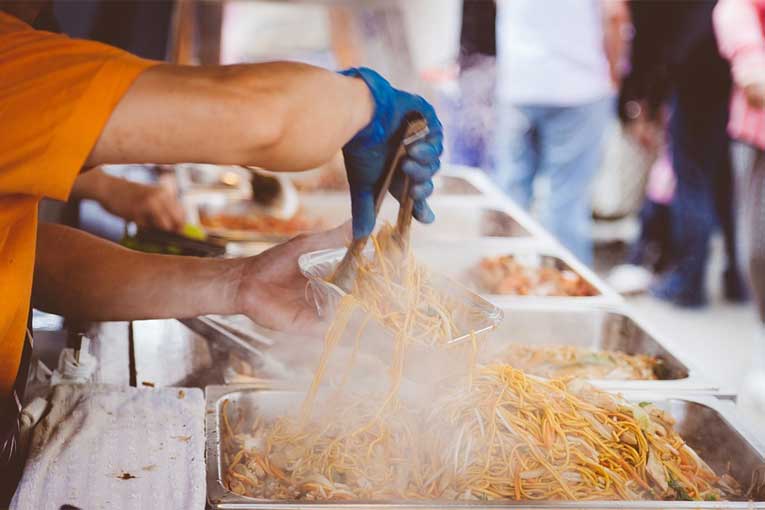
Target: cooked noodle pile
[554,361]
[395,290]
[497,433]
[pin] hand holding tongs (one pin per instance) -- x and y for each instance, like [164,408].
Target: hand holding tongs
[413,128]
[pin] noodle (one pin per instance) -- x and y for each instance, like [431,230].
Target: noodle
[497,433]
[555,361]
[509,436]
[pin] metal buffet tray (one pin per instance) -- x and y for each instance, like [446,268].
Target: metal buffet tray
[465,256]
[458,217]
[602,328]
[708,425]
[447,183]
[450,181]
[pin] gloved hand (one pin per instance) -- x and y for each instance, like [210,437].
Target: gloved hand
[365,155]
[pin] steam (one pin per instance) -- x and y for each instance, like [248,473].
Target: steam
[471,125]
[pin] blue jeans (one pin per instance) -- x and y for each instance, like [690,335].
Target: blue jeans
[564,143]
[703,198]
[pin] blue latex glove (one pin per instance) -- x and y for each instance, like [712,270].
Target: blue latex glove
[365,155]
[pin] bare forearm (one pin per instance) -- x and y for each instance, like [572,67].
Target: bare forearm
[282,116]
[91,185]
[81,276]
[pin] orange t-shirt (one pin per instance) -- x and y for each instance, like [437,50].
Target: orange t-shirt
[56,94]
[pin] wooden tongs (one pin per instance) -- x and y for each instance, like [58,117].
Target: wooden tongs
[413,128]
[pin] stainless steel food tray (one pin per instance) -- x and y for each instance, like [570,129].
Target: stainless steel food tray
[599,327]
[452,180]
[450,184]
[476,178]
[496,196]
[457,217]
[707,424]
[464,257]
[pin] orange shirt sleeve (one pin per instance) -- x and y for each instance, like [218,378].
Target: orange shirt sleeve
[56,95]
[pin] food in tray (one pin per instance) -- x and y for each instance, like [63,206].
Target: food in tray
[549,361]
[553,361]
[508,435]
[508,274]
[495,433]
[223,221]
[394,289]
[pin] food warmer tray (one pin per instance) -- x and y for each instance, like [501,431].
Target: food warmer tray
[452,180]
[449,184]
[707,424]
[465,178]
[457,217]
[602,327]
[465,256]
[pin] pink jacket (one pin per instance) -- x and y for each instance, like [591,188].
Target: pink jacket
[740,30]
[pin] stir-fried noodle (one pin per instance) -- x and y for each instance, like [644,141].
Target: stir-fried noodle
[497,433]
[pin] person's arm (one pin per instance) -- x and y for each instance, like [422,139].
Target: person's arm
[81,276]
[281,116]
[616,17]
[146,205]
[741,40]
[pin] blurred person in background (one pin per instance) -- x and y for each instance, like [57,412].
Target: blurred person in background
[477,76]
[653,248]
[557,69]
[146,205]
[740,29]
[675,63]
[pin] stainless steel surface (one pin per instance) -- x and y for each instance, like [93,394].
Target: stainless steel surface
[238,327]
[110,344]
[492,193]
[457,217]
[454,185]
[167,353]
[709,427]
[598,327]
[224,339]
[269,353]
[465,257]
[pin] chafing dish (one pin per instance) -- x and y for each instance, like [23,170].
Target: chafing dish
[708,425]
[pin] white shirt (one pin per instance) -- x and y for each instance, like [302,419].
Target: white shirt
[551,52]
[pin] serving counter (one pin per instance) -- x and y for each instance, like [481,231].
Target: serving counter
[476,222]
